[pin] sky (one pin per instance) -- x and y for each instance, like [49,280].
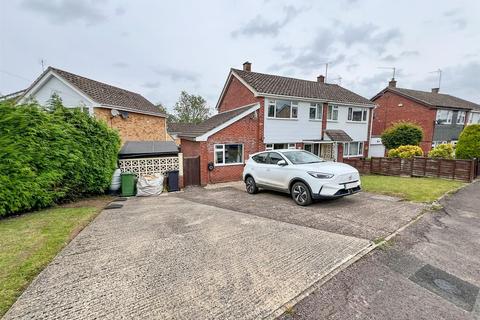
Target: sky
[159,48]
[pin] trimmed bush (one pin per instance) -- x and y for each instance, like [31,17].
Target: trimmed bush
[468,146]
[442,151]
[405,152]
[52,155]
[402,134]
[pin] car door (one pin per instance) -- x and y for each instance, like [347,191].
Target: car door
[274,175]
[258,169]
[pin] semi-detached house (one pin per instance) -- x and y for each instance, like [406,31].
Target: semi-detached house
[258,111]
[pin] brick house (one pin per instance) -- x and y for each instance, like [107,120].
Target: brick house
[135,118]
[441,116]
[259,112]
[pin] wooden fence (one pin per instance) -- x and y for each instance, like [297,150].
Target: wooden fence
[464,170]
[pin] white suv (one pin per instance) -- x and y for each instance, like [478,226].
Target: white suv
[300,173]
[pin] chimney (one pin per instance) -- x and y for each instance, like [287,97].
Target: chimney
[435,90]
[321,78]
[247,66]
[392,83]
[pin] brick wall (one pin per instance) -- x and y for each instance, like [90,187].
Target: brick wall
[137,127]
[388,112]
[244,131]
[236,95]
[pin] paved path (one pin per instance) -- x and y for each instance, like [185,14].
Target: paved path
[431,271]
[169,258]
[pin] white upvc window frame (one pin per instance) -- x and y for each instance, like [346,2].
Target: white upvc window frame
[221,147]
[271,146]
[463,115]
[448,118]
[293,106]
[347,147]
[318,107]
[363,117]
[332,115]
[474,115]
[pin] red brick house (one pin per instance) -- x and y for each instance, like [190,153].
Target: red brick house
[441,116]
[259,111]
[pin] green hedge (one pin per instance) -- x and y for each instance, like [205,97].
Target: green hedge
[402,134]
[52,155]
[468,146]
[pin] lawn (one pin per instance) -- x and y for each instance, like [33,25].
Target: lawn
[29,242]
[412,189]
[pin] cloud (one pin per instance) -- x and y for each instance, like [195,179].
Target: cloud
[176,74]
[369,35]
[119,11]
[259,26]
[151,84]
[120,65]
[455,17]
[403,54]
[65,11]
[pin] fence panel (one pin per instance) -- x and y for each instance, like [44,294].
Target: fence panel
[464,170]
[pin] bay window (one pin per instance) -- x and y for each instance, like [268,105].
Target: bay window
[332,113]
[357,114]
[226,154]
[282,109]
[316,111]
[352,149]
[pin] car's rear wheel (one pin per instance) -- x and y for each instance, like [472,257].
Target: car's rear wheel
[250,185]
[301,194]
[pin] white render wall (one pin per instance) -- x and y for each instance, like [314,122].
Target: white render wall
[302,128]
[358,131]
[69,97]
[292,130]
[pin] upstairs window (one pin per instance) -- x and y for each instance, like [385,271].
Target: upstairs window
[444,116]
[316,111]
[461,117]
[474,118]
[332,113]
[357,114]
[283,109]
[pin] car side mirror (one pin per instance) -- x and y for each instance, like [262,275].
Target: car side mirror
[281,163]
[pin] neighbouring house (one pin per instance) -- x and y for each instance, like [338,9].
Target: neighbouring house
[12,96]
[174,129]
[259,111]
[135,118]
[441,116]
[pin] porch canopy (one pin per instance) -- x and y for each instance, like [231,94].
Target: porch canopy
[338,135]
[147,149]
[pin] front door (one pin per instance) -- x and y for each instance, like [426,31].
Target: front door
[326,151]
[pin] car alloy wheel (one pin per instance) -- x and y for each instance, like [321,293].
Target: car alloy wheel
[301,194]
[251,185]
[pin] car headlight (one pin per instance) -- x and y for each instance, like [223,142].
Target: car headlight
[320,175]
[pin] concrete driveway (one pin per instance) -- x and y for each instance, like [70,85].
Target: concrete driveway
[172,258]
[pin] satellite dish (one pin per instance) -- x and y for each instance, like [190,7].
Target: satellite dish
[115,112]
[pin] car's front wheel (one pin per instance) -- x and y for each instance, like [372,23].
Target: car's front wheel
[250,185]
[301,194]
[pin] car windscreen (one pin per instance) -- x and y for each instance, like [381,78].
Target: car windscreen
[302,157]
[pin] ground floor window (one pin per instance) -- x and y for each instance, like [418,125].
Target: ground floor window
[276,146]
[228,154]
[352,149]
[437,143]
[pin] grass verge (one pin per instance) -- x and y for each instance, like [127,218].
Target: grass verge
[412,189]
[30,241]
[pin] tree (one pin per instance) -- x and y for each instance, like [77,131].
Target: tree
[191,108]
[402,134]
[468,146]
[170,117]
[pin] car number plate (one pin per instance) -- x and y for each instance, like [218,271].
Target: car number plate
[350,185]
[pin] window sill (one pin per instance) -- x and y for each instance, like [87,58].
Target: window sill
[332,120]
[288,119]
[356,156]
[228,164]
[315,120]
[361,122]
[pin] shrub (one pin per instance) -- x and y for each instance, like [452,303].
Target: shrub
[468,146]
[405,152]
[402,134]
[444,151]
[48,156]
